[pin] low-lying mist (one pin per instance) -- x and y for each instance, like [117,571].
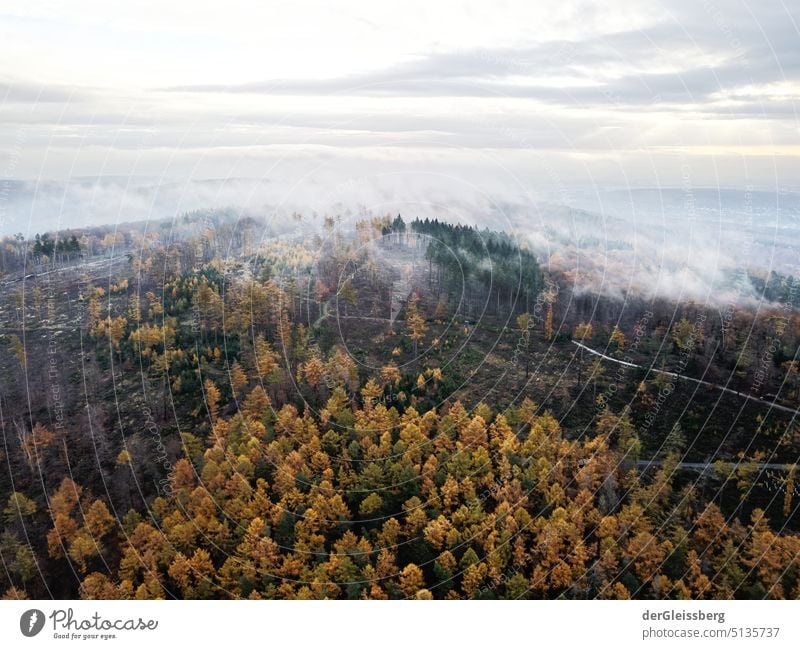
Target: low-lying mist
[680,244]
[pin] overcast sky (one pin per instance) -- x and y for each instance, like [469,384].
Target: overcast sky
[536,96]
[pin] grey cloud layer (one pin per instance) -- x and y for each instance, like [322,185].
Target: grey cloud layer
[696,88]
[716,51]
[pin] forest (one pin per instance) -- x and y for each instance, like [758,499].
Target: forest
[382,410]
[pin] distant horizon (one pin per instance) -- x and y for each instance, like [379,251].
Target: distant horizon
[583,188]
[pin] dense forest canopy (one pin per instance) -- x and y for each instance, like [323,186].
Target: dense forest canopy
[494,260]
[392,410]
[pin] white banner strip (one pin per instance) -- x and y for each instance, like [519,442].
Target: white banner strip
[350,625]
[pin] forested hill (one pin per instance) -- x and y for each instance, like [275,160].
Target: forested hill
[391,410]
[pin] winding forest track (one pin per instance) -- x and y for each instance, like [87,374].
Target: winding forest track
[706,466]
[750,397]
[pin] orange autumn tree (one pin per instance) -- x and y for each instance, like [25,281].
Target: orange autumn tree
[415,323]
